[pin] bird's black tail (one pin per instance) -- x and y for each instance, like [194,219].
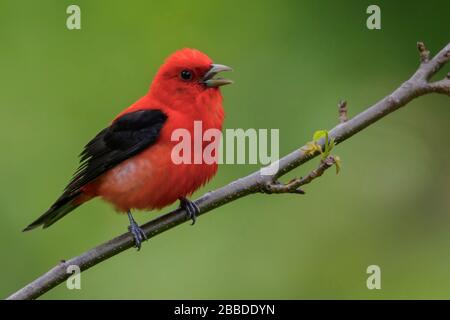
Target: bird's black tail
[59,209]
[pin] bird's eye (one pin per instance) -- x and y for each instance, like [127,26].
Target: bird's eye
[186,75]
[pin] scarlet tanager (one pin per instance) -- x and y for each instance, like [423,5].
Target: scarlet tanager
[129,165]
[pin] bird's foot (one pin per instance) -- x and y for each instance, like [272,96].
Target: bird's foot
[191,208]
[138,233]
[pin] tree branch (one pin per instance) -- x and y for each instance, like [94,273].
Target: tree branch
[418,85]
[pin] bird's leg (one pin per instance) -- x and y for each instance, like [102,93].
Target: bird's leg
[191,208]
[138,233]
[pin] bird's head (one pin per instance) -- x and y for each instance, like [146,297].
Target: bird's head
[188,75]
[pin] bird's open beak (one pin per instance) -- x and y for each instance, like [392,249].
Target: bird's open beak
[209,80]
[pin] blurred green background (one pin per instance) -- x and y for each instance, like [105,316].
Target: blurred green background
[293,61]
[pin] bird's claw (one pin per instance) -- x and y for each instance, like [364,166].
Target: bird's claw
[137,232]
[191,208]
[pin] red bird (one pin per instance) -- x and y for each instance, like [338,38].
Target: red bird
[129,163]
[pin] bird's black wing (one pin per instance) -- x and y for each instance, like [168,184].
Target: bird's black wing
[124,138]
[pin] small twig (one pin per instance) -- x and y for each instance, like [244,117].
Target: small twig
[424,53]
[294,185]
[441,86]
[342,107]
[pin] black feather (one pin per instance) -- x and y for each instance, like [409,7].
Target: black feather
[124,138]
